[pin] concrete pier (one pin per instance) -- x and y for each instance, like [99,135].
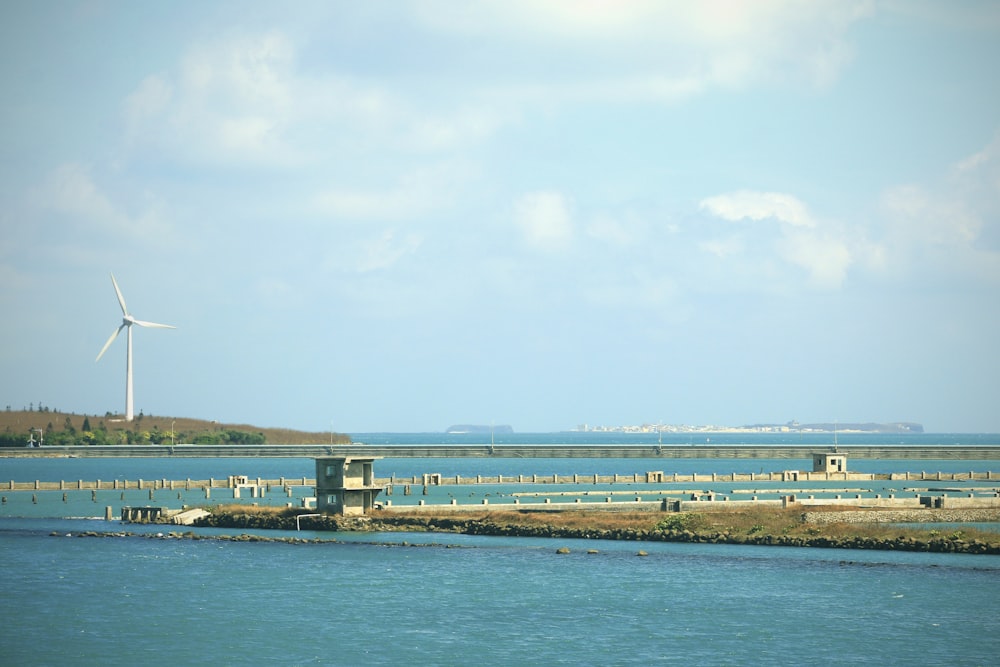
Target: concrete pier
[258,487]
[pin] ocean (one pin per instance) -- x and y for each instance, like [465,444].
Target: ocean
[442,599]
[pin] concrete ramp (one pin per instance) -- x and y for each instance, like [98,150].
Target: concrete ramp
[188,517]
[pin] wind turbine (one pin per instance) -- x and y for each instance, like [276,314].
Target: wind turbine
[127,322]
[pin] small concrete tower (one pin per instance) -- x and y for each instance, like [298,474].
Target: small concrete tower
[829,462]
[346,485]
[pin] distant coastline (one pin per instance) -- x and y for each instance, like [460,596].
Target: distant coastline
[789,427]
[479,428]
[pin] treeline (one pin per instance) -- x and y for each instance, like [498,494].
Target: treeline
[99,434]
[18,428]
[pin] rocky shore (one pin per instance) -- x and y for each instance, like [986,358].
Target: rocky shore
[904,516]
[838,533]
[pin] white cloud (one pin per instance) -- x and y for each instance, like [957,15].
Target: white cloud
[923,218]
[952,225]
[456,130]
[663,50]
[385,250]
[70,189]
[607,229]
[148,101]
[544,219]
[417,193]
[824,251]
[750,205]
[825,258]
[722,248]
[241,100]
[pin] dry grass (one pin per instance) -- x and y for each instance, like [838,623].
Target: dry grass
[749,521]
[755,525]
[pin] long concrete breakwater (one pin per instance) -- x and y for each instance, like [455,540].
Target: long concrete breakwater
[526,451]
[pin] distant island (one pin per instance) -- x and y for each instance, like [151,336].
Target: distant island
[479,428]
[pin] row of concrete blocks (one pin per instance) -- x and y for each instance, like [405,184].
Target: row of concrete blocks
[653,477]
[173,484]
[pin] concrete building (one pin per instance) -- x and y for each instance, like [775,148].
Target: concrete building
[346,485]
[829,462]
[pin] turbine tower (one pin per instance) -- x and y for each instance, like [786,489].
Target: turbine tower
[127,322]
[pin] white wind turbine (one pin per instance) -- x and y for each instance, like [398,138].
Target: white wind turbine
[127,322]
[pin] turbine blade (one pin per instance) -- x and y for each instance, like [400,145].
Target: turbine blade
[153,324]
[110,340]
[121,299]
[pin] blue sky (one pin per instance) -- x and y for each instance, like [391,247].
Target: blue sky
[400,216]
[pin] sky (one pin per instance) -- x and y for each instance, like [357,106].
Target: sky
[399,216]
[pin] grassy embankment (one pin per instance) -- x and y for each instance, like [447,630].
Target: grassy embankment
[62,428]
[757,526]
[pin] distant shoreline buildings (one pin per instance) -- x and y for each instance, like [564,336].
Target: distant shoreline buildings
[789,427]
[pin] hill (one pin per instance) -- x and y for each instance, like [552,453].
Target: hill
[63,428]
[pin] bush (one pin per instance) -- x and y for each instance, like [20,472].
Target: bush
[691,521]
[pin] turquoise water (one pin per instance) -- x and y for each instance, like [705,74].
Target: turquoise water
[490,601]
[459,600]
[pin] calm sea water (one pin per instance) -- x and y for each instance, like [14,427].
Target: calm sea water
[494,601]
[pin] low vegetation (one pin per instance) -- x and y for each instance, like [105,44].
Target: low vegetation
[54,428]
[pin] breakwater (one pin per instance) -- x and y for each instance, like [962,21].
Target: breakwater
[904,516]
